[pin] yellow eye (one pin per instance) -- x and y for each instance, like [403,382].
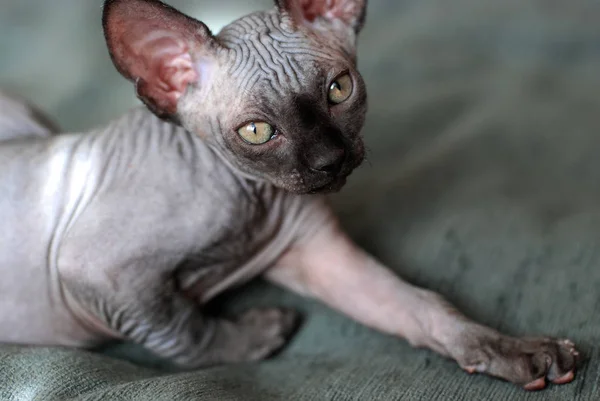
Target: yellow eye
[340,89]
[257,133]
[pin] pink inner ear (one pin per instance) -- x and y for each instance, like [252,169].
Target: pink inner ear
[153,45]
[311,9]
[163,66]
[345,10]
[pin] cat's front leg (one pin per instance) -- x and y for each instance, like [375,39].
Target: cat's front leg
[329,267]
[150,311]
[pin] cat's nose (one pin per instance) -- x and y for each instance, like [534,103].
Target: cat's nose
[329,162]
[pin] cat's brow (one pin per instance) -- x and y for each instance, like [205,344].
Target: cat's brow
[262,51]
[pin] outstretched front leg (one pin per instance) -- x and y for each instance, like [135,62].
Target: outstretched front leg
[328,266]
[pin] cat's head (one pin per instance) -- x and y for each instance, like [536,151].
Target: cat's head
[276,92]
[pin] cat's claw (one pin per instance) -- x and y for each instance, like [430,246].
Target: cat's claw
[538,384]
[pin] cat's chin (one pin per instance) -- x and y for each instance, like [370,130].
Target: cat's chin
[332,187]
[299,187]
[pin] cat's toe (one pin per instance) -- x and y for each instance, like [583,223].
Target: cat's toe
[268,330]
[529,362]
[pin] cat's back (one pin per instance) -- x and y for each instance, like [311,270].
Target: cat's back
[18,118]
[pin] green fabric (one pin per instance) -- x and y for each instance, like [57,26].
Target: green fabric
[482,183]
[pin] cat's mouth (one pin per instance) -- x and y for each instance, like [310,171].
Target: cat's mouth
[334,186]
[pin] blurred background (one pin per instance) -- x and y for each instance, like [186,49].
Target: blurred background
[54,53]
[483,178]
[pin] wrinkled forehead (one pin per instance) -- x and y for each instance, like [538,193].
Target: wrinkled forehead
[262,49]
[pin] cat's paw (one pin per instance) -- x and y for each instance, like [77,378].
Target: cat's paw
[524,361]
[267,330]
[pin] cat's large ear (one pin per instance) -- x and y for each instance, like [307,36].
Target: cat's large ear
[350,13]
[158,48]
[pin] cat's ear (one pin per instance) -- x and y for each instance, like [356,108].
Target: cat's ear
[350,13]
[158,48]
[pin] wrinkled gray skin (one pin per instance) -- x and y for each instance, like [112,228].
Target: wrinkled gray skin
[126,231]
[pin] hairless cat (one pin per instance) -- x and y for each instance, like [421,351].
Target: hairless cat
[126,231]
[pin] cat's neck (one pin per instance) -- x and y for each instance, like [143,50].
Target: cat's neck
[139,139]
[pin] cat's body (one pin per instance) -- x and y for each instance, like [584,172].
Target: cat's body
[112,189]
[125,232]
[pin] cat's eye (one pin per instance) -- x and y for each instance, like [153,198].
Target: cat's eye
[340,89]
[257,133]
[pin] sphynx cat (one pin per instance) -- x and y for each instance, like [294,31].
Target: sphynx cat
[126,231]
